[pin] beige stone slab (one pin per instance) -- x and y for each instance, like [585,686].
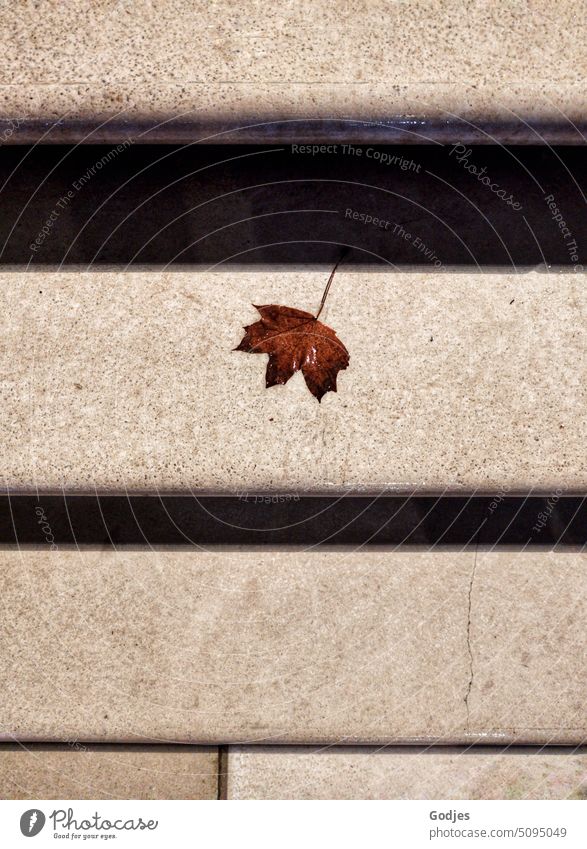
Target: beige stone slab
[128,382]
[406,773]
[528,648]
[78,771]
[232,646]
[318,647]
[327,59]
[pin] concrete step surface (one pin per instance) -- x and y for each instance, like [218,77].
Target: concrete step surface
[406,773]
[293,647]
[78,771]
[122,382]
[260,63]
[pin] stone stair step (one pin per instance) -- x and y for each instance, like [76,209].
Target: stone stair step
[406,773]
[80,771]
[128,382]
[253,646]
[219,67]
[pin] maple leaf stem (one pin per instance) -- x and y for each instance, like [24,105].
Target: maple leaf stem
[329,284]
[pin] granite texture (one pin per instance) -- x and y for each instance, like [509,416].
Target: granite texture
[318,647]
[261,61]
[406,773]
[513,664]
[77,771]
[119,382]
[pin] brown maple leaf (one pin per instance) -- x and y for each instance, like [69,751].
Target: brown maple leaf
[296,341]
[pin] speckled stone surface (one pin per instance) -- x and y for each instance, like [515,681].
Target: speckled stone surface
[514,663]
[346,60]
[77,771]
[129,382]
[406,773]
[317,647]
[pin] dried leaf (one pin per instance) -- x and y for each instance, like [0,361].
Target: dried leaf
[296,341]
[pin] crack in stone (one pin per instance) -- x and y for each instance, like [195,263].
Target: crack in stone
[470,651]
